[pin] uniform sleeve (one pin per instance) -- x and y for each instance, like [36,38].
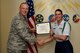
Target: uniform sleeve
[23,32]
[66,30]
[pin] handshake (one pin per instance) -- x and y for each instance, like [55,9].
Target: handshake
[42,41]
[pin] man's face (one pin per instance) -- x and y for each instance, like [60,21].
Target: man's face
[58,15]
[24,9]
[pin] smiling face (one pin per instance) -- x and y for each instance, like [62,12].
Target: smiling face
[58,15]
[24,9]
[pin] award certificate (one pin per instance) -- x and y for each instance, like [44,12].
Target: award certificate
[43,28]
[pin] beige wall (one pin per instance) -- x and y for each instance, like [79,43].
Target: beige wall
[9,8]
[0,26]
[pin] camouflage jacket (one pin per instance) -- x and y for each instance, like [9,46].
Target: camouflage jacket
[19,34]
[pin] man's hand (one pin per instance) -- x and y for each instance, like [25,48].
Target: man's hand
[33,30]
[52,32]
[40,42]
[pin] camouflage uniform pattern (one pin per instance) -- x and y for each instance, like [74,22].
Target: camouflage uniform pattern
[19,35]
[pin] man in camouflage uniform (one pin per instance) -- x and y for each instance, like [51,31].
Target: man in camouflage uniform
[20,33]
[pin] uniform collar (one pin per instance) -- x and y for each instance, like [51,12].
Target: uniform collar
[61,22]
[23,17]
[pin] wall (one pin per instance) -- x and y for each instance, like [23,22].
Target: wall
[9,8]
[0,26]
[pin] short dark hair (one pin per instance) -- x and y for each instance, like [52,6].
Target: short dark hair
[59,11]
